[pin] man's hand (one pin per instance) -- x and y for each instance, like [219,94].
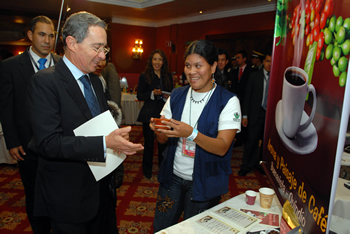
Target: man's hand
[16,153]
[245,122]
[118,140]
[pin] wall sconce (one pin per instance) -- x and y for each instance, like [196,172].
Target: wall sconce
[137,50]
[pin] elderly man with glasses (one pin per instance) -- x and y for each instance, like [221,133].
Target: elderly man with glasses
[60,99]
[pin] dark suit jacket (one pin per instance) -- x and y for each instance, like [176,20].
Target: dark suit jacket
[111,77]
[15,74]
[254,96]
[66,190]
[239,87]
[151,108]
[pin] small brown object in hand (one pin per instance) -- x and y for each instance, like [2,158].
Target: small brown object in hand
[159,125]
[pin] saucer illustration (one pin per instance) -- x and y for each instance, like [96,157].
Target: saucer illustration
[304,142]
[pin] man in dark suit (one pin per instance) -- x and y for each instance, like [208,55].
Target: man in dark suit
[239,79]
[257,60]
[15,73]
[111,77]
[60,99]
[254,111]
[221,75]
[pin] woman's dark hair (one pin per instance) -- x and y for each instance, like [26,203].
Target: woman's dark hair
[204,48]
[149,71]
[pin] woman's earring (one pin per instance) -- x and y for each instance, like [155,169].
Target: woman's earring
[212,78]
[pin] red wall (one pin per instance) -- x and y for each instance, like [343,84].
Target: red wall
[198,30]
[123,38]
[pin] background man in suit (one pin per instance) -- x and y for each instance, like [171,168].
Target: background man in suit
[111,77]
[221,75]
[254,111]
[15,73]
[60,99]
[257,60]
[233,64]
[239,83]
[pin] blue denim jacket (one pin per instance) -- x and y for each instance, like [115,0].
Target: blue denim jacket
[211,172]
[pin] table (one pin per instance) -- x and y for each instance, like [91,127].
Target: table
[131,109]
[4,153]
[190,227]
[342,200]
[345,161]
[341,211]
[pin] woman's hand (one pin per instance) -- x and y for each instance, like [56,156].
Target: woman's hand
[152,124]
[157,92]
[161,138]
[179,129]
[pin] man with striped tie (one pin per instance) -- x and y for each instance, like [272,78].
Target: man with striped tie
[15,73]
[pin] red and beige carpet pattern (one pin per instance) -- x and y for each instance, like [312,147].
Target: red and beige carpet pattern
[136,197]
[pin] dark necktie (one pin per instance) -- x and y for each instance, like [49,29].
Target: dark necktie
[90,96]
[266,90]
[42,62]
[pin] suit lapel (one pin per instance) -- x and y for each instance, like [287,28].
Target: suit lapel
[26,66]
[73,88]
[97,85]
[56,58]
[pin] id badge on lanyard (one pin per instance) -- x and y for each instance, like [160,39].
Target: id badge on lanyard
[188,148]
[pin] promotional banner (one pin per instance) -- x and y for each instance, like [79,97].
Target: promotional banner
[305,104]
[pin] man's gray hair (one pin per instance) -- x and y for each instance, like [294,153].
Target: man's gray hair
[77,25]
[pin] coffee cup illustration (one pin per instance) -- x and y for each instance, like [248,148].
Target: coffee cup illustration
[295,89]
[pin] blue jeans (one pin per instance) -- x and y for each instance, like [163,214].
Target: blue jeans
[175,200]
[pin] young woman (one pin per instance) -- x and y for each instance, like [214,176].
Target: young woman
[152,83]
[204,120]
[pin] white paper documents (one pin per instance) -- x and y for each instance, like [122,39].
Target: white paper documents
[101,125]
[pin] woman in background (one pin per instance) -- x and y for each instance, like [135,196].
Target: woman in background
[204,120]
[153,83]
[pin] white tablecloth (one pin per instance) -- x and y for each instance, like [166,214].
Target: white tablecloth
[4,153]
[190,227]
[131,109]
[345,161]
[341,211]
[342,200]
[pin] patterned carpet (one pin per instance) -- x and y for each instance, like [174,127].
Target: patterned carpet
[136,197]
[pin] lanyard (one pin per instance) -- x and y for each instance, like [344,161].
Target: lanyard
[35,64]
[211,90]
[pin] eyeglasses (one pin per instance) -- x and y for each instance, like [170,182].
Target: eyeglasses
[99,50]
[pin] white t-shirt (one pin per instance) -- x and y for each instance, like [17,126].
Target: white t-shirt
[183,165]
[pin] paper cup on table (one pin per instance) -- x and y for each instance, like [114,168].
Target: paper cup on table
[266,197]
[250,197]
